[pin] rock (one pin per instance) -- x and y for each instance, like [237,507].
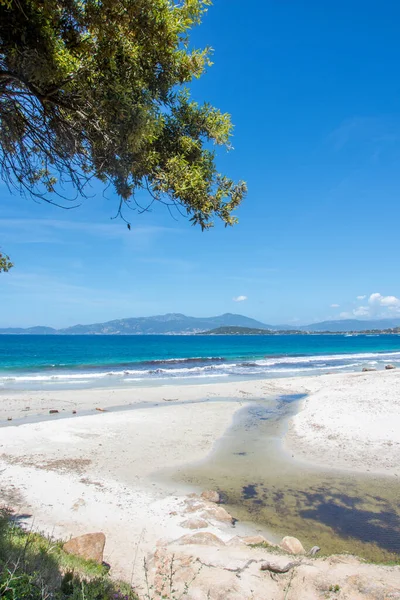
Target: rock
[255,540]
[53,411]
[193,505]
[292,545]
[211,496]
[217,513]
[314,550]
[367,369]
[9,418]
[89,546]
[201,539]
[235,541]
[388,367]
[274,568]
[194,524]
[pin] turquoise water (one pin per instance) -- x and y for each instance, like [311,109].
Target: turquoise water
[65,361]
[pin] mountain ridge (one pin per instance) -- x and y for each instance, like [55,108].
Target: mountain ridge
[178,323]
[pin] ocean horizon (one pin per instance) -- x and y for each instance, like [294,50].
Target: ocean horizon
[43,362]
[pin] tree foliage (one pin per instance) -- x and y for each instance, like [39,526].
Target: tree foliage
[5,263]
[96,88]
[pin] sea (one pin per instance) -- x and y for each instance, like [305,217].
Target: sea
[68,362]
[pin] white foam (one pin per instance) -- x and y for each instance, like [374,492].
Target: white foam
[326,358]
[268,365]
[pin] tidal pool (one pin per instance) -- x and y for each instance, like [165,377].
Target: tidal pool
[261,483]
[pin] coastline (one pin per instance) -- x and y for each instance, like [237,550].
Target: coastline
[347,421]
[31,404]
[101,471]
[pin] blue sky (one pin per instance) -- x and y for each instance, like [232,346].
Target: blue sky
[314,93]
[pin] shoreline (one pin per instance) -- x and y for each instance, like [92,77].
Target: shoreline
[101,471]
[328,431]
[118,364]
[26,404]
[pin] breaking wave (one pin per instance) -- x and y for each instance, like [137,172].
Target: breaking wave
[193,368]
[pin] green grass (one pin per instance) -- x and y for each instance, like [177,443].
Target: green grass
[33,567]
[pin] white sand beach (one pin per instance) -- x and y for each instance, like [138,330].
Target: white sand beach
[350,422]
[101,471]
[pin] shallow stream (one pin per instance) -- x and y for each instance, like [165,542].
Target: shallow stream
[263,484]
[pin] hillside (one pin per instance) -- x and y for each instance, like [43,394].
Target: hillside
[237,331]
[351,325]
[177,323]
[174,323]
[169,324]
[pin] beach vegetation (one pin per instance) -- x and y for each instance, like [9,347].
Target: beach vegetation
[167,588]
[98,89]
[35,567]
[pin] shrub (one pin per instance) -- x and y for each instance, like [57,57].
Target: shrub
[33,567]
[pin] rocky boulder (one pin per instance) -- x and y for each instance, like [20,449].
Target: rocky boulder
[194,524]
[389,367]
[89,546]
[211,496]
[256,540]
[217,513]
[201,539]
[292,545]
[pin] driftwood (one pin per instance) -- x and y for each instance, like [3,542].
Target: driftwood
[238,571]
[273,568]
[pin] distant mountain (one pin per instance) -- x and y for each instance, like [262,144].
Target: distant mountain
[175,323]
[351,325]
[38,330]
[163,324]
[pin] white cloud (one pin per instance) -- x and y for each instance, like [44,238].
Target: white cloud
[361,311]
[57,231]
[378,304]
[335,305]
[389,301]
[239,298]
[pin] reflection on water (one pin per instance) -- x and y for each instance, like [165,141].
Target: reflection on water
[337,511]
